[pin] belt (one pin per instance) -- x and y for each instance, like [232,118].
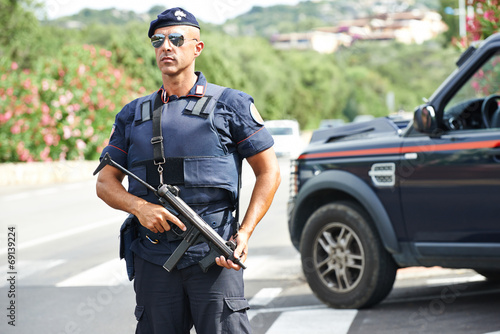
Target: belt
[215,220]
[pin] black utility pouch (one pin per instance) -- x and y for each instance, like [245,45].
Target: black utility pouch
[128,233]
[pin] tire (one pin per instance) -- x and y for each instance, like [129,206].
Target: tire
[343,258]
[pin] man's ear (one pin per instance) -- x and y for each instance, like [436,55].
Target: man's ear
[199,48]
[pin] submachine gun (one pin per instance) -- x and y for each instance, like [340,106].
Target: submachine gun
[197,230]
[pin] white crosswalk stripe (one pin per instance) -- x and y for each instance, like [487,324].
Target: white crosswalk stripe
[263,267]
[110,273]
[27,269]
[264,296]
[318,321]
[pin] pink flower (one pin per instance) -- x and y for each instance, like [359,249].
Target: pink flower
[63,100]
[23,153]
[14,66]
[490,16]
[118,74]
[48,139]
[81,69]
[45,108]
[476,86]
[4,118]
[45,85]
[15,129]
[58,115]
[45,120]
[88,132]
[44,155]
[106,53]
[66,132]
[80,144]
[27,83]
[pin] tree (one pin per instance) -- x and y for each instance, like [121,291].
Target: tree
[19,28]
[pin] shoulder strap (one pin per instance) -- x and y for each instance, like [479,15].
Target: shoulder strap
[143,111]
[157,139]
[207,103]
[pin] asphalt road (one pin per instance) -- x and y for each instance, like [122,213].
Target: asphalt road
[66,276]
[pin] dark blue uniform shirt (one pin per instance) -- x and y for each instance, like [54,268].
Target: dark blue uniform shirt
[240,131]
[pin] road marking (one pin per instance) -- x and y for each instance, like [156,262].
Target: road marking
[111,273]
[49,190]
[261,267]
[323,320]
[264,296]
[25,269]
[454,280]
[65,234]
[252,313]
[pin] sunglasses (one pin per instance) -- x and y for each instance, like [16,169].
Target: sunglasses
[175,38]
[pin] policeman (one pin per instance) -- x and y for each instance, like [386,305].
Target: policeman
[192,134]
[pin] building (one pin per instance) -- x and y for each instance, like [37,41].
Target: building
[416,26]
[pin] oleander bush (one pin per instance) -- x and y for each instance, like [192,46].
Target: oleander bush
[482,22]
[63,108]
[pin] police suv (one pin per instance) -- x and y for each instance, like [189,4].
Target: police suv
[369,198]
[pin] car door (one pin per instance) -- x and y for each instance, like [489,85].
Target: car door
[450,182]
[450,187]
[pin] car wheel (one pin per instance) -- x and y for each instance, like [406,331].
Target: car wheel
[343,258]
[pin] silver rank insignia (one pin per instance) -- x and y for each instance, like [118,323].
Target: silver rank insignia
[180,14]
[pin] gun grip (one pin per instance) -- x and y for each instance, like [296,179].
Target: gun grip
[191,238]
[209,260]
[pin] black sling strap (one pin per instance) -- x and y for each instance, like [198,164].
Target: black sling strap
[157,139]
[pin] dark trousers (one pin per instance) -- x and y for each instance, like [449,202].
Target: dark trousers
[172,302]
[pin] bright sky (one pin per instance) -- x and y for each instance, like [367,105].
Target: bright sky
[213,11]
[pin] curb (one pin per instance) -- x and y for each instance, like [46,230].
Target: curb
[40,173]
[428,272]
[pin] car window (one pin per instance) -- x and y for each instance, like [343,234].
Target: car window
[464,110]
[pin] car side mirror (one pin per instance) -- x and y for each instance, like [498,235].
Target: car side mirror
[424,119]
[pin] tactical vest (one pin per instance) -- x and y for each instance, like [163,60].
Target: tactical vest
[195,159]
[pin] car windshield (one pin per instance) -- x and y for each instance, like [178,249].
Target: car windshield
[280,131]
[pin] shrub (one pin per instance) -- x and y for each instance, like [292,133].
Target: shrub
[64,108]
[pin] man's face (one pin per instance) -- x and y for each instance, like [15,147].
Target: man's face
[173,60]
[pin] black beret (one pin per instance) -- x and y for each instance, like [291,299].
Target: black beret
[173,17]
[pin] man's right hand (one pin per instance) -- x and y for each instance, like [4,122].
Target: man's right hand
[152,216]
[156,218]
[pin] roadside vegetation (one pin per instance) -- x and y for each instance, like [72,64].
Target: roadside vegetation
[60,88]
